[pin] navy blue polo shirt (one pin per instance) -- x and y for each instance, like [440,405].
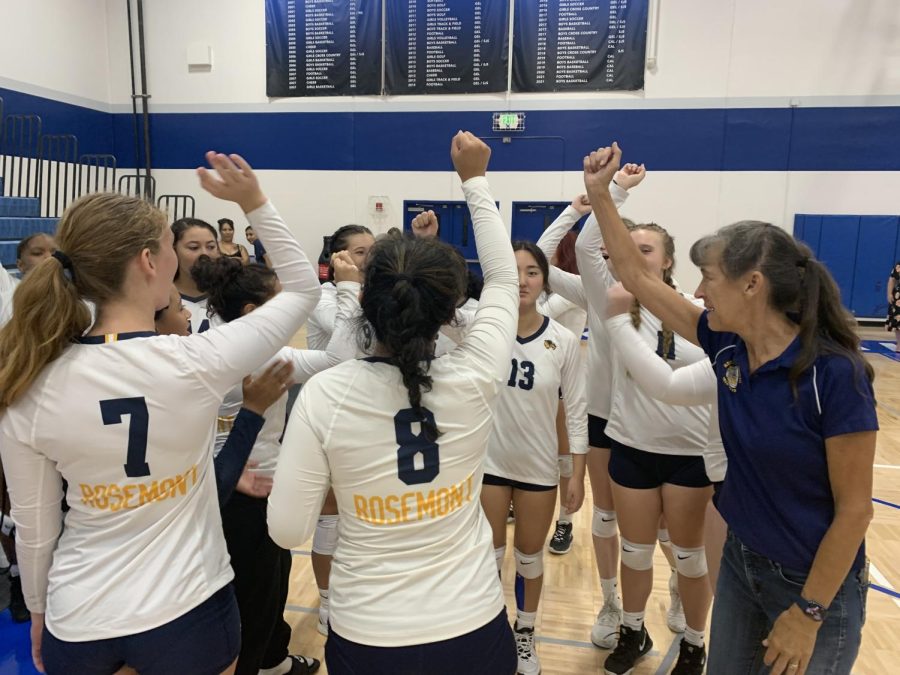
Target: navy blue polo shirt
[777,495]
[259,251]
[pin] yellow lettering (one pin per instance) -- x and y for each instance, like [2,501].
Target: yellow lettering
[101,499]
[149,493]
[167,488]
[115,496]
[128,493]
[456,496]
[403,505]
[443,505]
[469,489]
[87,495]
[392,499]
[376,508]
[424,504]
[180,485]
[362,509]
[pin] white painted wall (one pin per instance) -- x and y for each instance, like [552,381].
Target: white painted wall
[56,48]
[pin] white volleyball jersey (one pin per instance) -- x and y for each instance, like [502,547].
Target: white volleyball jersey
[307,362]
[125,421]
[524,445]
[415,560]
[694,384]
[200,321]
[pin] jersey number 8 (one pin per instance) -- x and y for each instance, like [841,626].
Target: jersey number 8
[412,444]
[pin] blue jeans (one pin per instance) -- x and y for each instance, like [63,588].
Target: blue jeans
[752,593]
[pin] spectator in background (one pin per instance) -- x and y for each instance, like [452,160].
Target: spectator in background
[32,250]
[250,234]
[227,246]
[259,252]
[892,323]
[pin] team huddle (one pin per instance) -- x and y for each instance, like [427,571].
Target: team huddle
[156,491]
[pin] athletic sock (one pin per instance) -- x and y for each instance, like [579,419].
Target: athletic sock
[525,619]
[694,637]
[634,620]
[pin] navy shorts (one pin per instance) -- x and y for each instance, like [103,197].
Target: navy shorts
[641,470]
[489,650]
[205,641]
[491,479]
[597,437]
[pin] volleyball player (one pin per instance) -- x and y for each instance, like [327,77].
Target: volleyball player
[522,461]
[401,438]
[797,495]
[694,384]
[261,568]
[604,530]
[656,464]
[128,580]
[194,238]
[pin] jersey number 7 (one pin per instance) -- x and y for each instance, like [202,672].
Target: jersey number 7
[113,410]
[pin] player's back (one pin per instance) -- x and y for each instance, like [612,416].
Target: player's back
[129,424]
[412,530]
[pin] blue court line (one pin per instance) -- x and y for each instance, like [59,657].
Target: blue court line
[886,591]
[669,659]
[881,501]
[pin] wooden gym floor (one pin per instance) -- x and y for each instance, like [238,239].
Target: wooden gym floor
[571,594]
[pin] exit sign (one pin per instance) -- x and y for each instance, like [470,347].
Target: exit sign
[509,121]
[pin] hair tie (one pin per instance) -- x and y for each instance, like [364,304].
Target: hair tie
[66,262]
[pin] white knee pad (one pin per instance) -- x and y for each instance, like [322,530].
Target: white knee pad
[500,554]
[604,523]
[690,562]
[326,537]
[637,556]
[529,565]
[566,466]
[662,536]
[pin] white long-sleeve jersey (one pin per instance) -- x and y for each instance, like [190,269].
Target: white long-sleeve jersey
[8,285]
[570,287]
[307,362]
[143,540]
[415,560]
[635,418]
[524,445]
[694,384]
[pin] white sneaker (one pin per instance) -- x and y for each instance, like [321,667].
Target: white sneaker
[528,660]
[605,633]
[323,622]
[675,616]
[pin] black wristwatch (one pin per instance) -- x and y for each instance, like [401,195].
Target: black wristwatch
[812,609]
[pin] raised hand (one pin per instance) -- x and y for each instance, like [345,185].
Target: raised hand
[253,484]
[262,391]
[344,268]
[470,155]
[600,167]
[233,181]
[630,176]
[582,204]
[425,225]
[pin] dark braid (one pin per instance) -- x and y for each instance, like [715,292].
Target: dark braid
[411,289]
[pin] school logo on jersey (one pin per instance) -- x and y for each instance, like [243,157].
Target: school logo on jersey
[549,344]
[732,376]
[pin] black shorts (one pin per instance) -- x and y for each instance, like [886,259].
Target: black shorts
[597,437]
[206,640]
[490,479]
[643,470]
[489,650]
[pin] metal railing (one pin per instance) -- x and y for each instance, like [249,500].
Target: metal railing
[137,185]
[58,173]
[177,206]
[96,173]
[20,146]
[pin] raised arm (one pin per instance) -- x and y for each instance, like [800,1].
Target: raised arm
[490,337]
[663,301]
[224,355]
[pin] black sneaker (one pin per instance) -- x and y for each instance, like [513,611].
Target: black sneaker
[561,542]
[691,660]
[303,665]
[17,608]
[633,644]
